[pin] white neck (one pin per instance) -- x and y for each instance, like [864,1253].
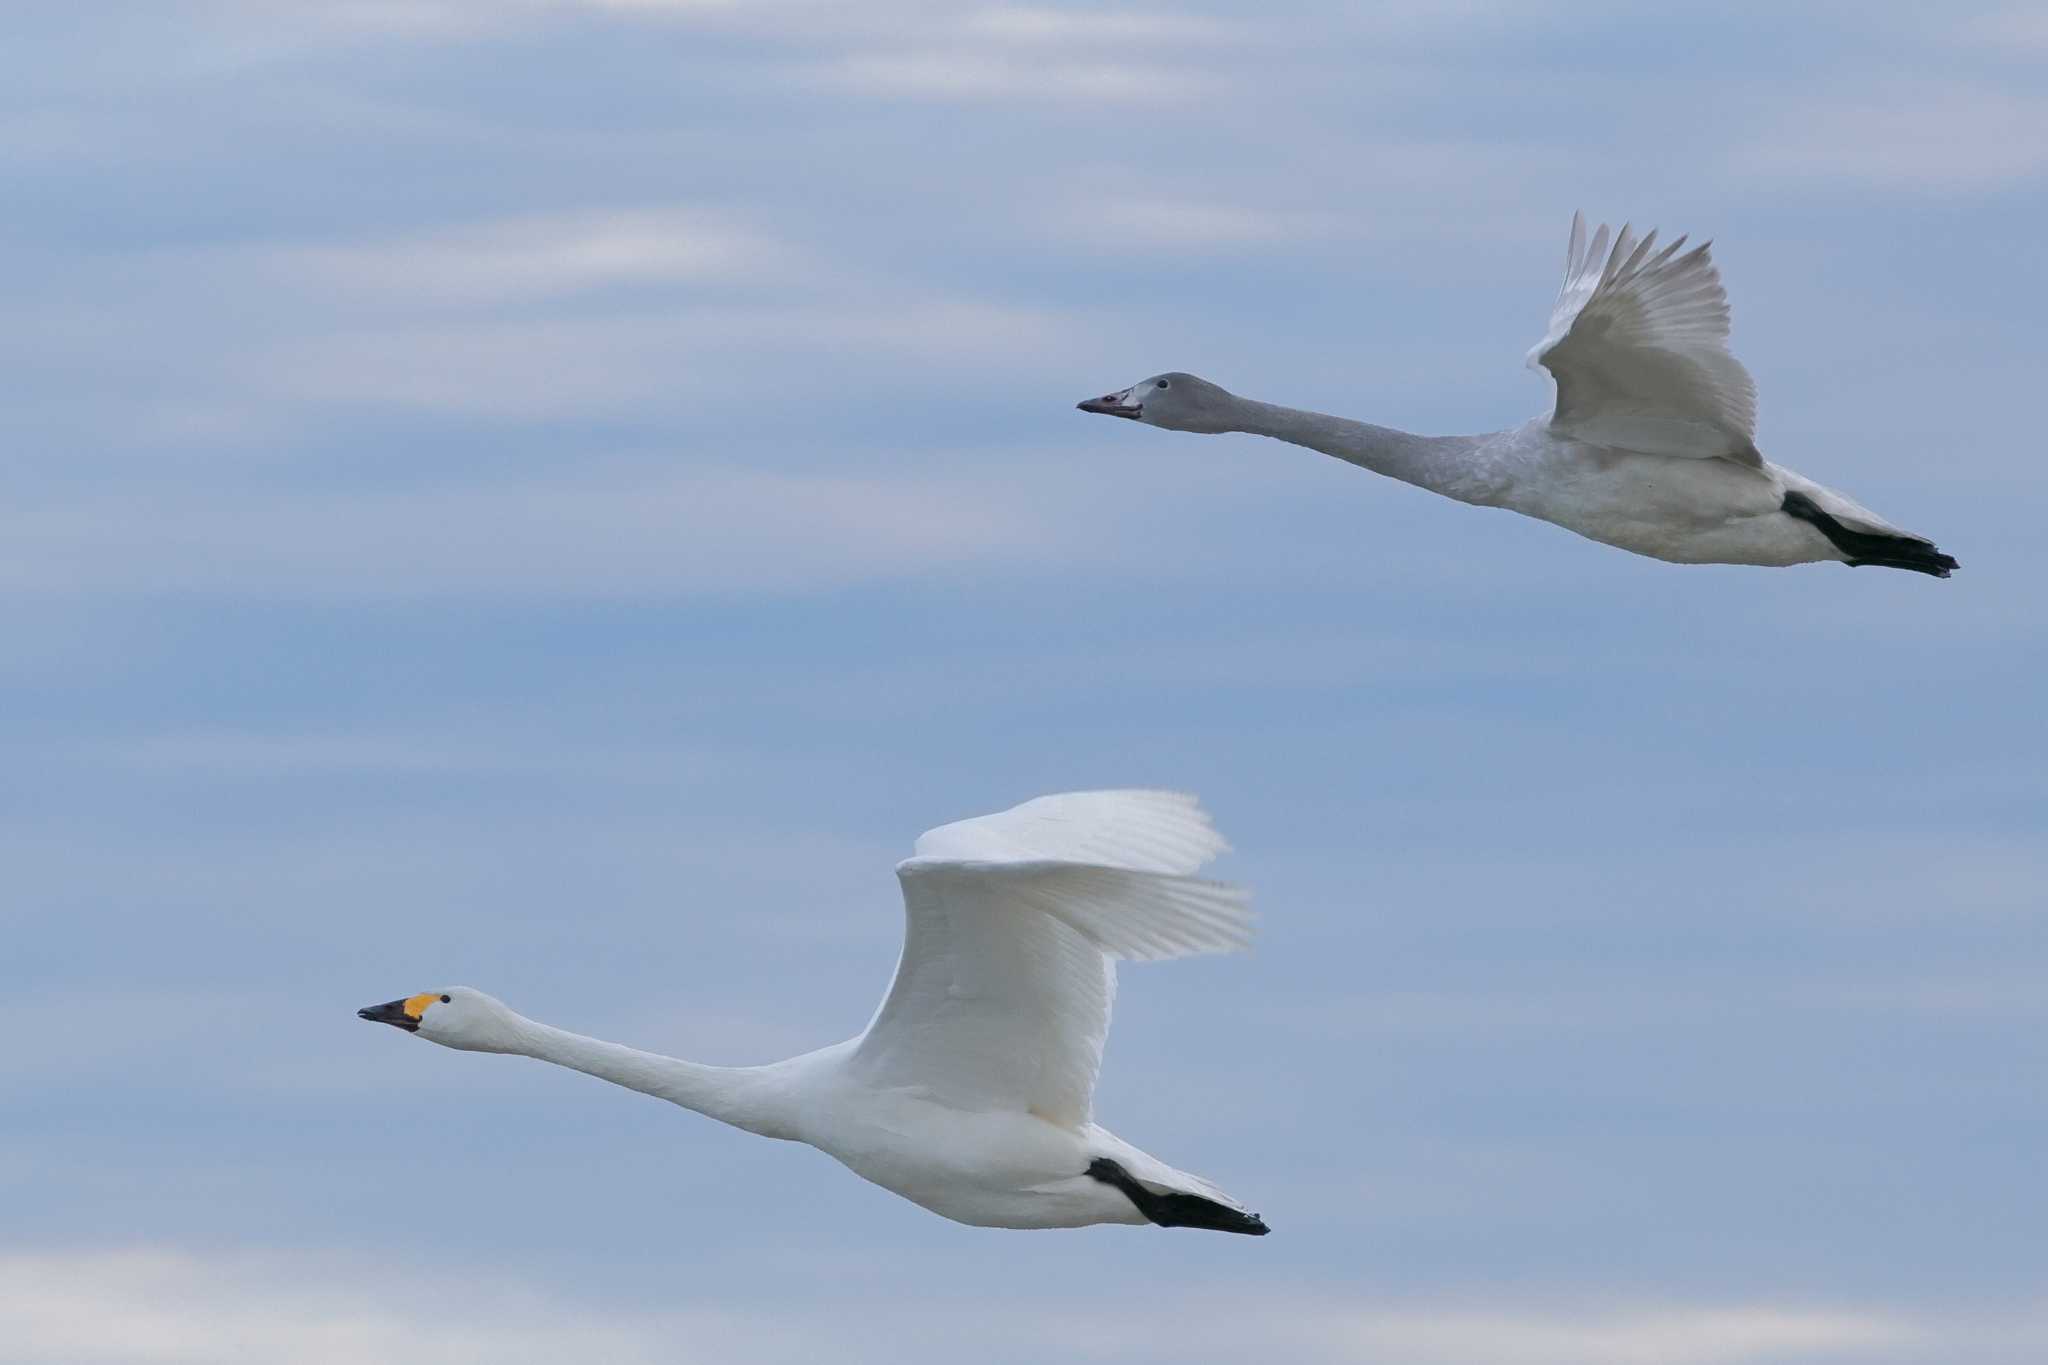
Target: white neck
[749,1097]
[1430,462]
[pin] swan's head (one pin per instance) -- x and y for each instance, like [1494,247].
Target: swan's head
[456,1017]
[1176,401]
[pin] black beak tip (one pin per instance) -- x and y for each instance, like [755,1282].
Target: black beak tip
[1108,406]
[392,1013]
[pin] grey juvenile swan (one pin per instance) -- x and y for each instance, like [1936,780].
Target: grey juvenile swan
[1651,446]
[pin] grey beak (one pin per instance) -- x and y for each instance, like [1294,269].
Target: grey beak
[391,1012]
[1112,405]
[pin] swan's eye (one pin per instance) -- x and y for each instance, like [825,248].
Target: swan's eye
[445,1000]
[1164,385]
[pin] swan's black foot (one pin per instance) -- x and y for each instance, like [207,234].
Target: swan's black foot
[1871,547]
[1175,1210]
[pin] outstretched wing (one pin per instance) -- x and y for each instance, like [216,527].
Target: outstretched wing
[1638,343]
[1013,924]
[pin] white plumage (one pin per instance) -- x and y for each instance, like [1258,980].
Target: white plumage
[1638,344]
[1651,445]
[971,1090]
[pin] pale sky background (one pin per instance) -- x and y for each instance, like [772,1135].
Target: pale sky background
[556,495]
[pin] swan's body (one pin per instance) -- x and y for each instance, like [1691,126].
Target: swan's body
[970,1092]
[1650,448]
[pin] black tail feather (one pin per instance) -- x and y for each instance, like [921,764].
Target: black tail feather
[1173,1209]
[1871,547]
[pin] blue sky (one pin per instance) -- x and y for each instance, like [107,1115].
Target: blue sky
[557,495]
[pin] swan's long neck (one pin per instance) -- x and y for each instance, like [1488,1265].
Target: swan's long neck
[1432,462]
[751,1097]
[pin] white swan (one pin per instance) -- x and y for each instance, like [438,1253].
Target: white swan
[970,1091]
[1650,447]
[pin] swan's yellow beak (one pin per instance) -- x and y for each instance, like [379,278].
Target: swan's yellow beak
[405,1014]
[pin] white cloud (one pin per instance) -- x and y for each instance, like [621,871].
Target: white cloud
[1672,1336]
[465,318]
[435,19]
[718,351]
[919,49]
[1921,138]
[957,74]
[1450,195]
[924,49]
[1151,221]
[251,754]
[1101,28]
[34,137]
[629,532]
[2018,995]
[541,255]
[2020,30]
[165,1306]
[661,7]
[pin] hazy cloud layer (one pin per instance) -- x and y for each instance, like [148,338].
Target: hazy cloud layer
[556,495]
[182,1307]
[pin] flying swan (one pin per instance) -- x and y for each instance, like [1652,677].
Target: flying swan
[969,1092]
[1651,446]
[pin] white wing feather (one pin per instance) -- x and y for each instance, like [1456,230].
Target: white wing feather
[1145,831]
[1013,923]
[1638,344]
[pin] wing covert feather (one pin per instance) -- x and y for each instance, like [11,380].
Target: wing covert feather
[1002,996]
[1638,344]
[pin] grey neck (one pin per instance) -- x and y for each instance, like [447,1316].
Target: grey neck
[749,1097]
[1430,462]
